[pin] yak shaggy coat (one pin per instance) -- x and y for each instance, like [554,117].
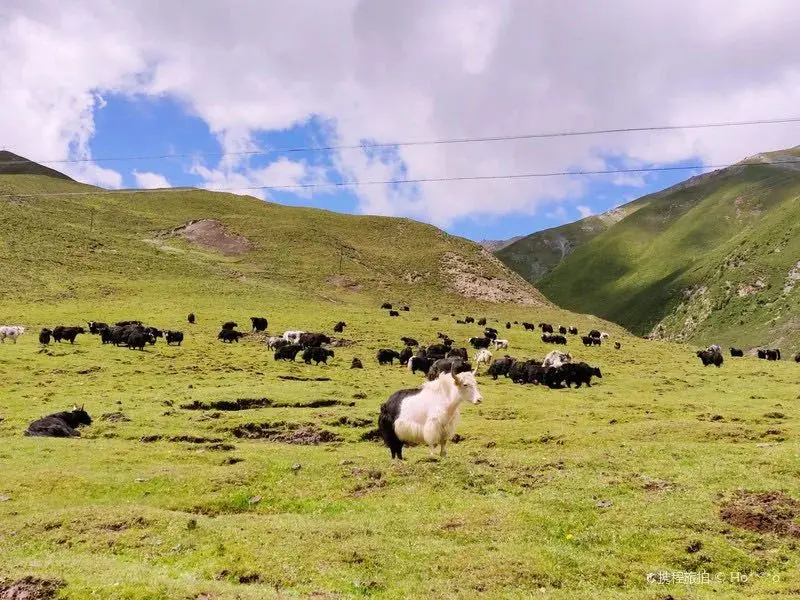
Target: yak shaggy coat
[427,415]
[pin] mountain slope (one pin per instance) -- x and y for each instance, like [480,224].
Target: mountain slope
[89,242]
[535,255]
[712,259]
[13,164]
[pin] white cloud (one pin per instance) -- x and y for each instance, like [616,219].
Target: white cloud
[584,211]
[149,180]
[415,70]
[248,181]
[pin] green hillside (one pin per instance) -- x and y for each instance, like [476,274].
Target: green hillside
[537,254]
[89,243]
[714,259]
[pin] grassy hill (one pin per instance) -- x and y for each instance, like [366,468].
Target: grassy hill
[534,256]
[13,164]
[89,243]
[170,493]
[714,259]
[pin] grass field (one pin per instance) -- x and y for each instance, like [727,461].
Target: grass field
[564,494]
[552,493]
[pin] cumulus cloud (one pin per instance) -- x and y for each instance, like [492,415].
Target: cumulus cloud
[417,70]
[149,180]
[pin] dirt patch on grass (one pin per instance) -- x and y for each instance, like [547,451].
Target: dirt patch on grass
[191,439]
[212,234]
[229,405]
[651,484]
[350,422]
[30,588]
[343,281]
[288,433]
[126,524]
[114,417]
[373,435]
[762,512]
[471,281]
[293,378]
[252,403]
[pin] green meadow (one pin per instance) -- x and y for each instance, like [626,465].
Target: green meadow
[627,489]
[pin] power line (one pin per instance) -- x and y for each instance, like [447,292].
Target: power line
[350,184]
[436,142]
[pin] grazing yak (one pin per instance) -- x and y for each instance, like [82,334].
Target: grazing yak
[419,363]
[191,318]
[528,326]
[448,365]
[556,358]
[274,342]
[339,327]
[229,335]
[259,323]
[356,364]
[595,333]
[385,355]
[501,367]
[546,327]
[429,414]
[96,326]
[483,357]
[317,354]
[458,353]
[562,330]
[394,313]
[287,352]
[67,333]
[797,357]
[710,357]
[11,332]
[479,343]
[44,336]
[409,341]
[771,354]
[230,325]
[580,373]
[508,324]
[482,321]
[309,340]
[126,323]
[60,424]
[490,332]
[617,346]
[138,339]
[292,336]
[437,351]
[386,306]
[737,352]
[498,344]
[554,338]
[591,341]
[573,330]
[469,320]
[405,309]
[405,354]
[174,337]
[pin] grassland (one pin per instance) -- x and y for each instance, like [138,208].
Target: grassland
[558,494]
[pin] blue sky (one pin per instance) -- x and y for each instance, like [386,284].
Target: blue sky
[138,127]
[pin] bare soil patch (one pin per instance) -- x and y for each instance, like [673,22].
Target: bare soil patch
[345,282]
[762,512]
[350,422]
[30,588]
[470,280]
[212,234]
[287,433]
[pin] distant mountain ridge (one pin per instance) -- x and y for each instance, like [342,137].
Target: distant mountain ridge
[715,258]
